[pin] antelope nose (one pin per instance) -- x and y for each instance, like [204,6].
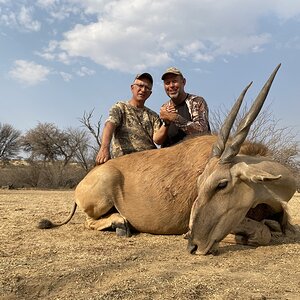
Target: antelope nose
[191,248]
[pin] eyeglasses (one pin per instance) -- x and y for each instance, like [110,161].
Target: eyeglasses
[141,86]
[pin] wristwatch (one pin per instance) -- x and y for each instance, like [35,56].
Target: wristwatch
[166,124]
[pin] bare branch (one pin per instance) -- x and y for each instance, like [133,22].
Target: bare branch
[93,129]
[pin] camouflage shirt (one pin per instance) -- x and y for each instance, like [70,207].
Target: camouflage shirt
[192,118]
[134,128]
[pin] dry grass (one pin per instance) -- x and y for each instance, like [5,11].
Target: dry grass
[71,262]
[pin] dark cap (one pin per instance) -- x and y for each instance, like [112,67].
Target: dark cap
[171,70]
[144,75]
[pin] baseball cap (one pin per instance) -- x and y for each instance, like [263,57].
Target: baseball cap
[171,70]
[144,75]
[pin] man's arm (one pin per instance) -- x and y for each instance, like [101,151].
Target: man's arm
[199,118]
[161,134]
[104,151]
[168,114]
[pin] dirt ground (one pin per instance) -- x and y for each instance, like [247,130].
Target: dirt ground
[71,262]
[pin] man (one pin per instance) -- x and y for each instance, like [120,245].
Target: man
[131,126]
[183,114]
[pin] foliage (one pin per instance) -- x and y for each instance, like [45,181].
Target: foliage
[9,141]
[48,143]
[51,153]
[35,174]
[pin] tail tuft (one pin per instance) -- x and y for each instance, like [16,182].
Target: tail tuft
[45,224]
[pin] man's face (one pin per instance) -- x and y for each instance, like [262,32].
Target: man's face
[141,89]
[174,85]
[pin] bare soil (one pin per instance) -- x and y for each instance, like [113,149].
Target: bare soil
[71,262]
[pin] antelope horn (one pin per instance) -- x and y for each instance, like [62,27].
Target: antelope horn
[223,135]
[244,126]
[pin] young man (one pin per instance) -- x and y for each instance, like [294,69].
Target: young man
[183,114]
[131,126]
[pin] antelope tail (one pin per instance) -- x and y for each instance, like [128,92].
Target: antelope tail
[46,224]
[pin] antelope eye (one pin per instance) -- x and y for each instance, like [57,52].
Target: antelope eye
[222,185]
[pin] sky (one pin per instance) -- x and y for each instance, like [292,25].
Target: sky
[61,58]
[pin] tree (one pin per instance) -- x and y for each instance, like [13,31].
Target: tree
[56,149]
[9,141]
[44,142]
[84,153]
[93,129]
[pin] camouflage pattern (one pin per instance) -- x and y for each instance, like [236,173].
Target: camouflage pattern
[192,118]
[134,128]
[198,110]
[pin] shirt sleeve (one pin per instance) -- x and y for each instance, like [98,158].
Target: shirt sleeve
[199,117]
[115,114]
[155,120]
[157,124]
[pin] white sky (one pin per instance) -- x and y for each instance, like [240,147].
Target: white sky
[60,58]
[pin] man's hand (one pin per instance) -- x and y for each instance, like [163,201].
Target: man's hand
[103,155]
[168,113]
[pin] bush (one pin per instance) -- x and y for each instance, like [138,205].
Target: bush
[40,175]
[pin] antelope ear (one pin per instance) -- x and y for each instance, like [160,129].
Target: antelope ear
[251,173]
